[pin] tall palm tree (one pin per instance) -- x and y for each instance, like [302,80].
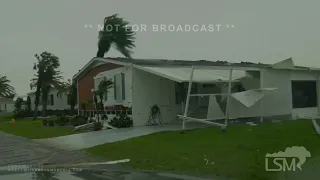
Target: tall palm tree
[47,76]
[117,33]
[102,91]
[5,88]
[69,89]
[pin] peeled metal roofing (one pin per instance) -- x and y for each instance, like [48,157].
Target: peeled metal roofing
[182,74]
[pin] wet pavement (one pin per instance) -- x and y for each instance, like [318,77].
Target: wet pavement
[93,174]
[15,151]
[19,150]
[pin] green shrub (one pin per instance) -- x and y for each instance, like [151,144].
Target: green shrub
[62,121]
[97,126]
[6,116]
[121,121]
[45,122]
[51,122]
[104,117]
[78,120]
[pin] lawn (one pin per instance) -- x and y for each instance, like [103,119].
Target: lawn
[238,153]
[33,129]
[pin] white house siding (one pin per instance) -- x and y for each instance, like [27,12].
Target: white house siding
[305,76]
[59,103]
[278,102]
[128,85]
[6,105]
[149,89]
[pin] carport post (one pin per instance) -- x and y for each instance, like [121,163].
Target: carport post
[261,100]
[188,99]
[228,99]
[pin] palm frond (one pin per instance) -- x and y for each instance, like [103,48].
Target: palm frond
[116,32]
[5,88]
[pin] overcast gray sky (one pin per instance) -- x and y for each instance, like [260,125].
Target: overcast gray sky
[264,31]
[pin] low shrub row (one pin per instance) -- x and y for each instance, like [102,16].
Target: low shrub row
[120,121]
[23,113]
[65,121]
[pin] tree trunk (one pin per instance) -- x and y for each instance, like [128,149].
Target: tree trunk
[101,106]
[36,103]
[100,53]
[44,104]
[96,105]
[72,109]
[103,47]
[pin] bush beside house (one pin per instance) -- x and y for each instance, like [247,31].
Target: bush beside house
[121,121]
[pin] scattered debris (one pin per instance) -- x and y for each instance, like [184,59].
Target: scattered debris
[251,123]
[84,126]
[276,121]
[207,161]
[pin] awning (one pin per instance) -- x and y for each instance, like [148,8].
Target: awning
[182,74]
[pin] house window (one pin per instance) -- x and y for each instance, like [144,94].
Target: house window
[304,94]
[119,87]
[51,100]
[179,92]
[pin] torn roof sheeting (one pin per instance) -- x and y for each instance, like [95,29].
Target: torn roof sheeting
[182,74]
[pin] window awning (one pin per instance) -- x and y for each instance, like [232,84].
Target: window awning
[182,74]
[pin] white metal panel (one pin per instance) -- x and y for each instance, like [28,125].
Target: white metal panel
[250,97]
[182,74]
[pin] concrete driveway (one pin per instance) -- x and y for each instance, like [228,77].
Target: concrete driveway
[90,139]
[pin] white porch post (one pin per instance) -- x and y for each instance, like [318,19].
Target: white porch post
[188,99]
[261,100]
[228,98]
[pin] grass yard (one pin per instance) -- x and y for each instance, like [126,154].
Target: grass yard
[33,129]
[238,153]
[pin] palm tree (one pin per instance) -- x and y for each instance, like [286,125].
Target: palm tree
[117,33]
[47,77]
[85,104]
[5,88]
[103,87]
[70,89]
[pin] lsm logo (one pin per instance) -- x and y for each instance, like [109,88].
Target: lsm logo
[289,160]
